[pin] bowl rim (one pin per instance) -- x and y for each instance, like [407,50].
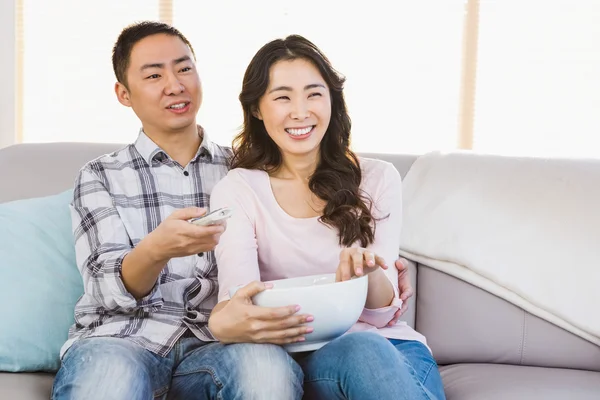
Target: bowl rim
[274,289]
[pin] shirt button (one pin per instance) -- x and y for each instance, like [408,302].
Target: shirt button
[186,173]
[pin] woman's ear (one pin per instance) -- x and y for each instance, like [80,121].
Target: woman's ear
[256,113]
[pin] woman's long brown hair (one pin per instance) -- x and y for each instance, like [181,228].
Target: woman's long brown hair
[337,177]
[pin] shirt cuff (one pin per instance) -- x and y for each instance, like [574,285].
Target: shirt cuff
[125,301]
[380,317]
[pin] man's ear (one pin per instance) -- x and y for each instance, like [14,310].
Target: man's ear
[122,94]
[256,113]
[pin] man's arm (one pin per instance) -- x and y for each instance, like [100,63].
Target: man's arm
[117,275]
[174,237]
[101,245]
[140,269]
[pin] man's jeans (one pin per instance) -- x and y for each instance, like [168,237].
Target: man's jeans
[365,365]
[113,368]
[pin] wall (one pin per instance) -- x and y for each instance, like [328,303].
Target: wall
[7,73]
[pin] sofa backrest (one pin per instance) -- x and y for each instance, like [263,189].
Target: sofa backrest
[465,324]
[42,169]
[462,323]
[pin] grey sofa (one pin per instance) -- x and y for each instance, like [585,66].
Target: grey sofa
[487,348]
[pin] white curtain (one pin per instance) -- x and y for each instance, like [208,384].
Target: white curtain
[537,86]
[538,78]
[401,59]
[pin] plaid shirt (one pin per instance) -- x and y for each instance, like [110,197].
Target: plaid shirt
[119,198]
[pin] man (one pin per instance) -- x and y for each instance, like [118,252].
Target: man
[149,275]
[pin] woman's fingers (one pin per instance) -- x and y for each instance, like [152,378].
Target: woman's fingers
[357,261]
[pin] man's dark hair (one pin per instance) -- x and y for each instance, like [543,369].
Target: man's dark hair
[133,34]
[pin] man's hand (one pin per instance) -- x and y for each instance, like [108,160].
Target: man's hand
[240,321]
[176,237]
[404,287]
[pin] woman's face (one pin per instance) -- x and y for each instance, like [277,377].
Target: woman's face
[296,108]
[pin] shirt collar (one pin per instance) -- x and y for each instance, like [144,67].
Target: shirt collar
[150,151]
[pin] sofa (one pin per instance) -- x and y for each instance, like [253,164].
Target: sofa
[487,348]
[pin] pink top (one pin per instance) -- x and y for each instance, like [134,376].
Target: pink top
[262,242]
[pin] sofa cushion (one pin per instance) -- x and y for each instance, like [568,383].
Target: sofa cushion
[26,386]
[39,282]
[501,382]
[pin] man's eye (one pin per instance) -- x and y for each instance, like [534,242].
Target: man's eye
[153,76]
[186,69]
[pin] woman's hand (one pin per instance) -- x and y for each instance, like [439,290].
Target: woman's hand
[357,261]
[240,321]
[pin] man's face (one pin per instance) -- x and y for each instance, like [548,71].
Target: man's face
[164,87]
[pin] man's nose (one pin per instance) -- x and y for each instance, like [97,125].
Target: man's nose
[174,85]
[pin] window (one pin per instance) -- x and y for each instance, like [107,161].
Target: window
[401,60]
[508,77]
[67,72]
[538,78]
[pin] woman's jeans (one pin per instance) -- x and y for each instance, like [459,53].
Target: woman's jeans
[365,365]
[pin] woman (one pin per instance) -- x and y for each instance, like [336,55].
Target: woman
[305,204]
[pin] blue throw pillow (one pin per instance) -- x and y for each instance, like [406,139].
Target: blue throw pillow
[39,282]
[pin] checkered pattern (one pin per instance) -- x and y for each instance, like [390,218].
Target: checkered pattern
[119,198]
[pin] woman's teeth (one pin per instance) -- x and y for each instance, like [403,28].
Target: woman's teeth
[299,132]
[178,106]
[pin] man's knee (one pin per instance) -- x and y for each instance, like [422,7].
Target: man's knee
[265,371]
[103,368]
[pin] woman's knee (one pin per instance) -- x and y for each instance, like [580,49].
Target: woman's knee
[362,344]
[360,353]
[361,365]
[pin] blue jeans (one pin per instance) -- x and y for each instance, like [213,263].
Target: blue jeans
[365,365]
[112,368]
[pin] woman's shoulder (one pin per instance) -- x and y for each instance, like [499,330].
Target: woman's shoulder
[246,174]
[241,179]
[378,171]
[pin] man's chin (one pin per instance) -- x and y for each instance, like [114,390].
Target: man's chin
[181,126]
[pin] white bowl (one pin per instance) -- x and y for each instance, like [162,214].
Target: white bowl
[336,306]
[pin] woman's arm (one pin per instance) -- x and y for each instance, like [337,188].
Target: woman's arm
[382,298]
[237,320]
[237,251]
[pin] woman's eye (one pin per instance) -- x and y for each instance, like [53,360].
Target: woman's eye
[282,98]
[186,69]
[314,94]
[153,76]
